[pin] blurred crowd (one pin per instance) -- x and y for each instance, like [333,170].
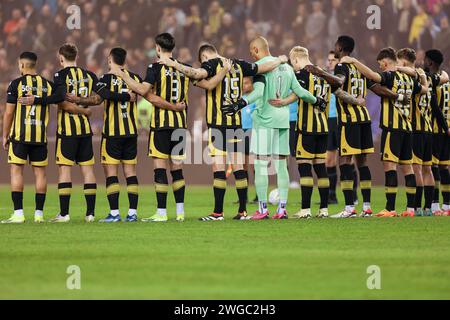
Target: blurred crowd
[40,26]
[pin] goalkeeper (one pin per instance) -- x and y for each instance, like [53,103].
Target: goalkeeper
[270,136]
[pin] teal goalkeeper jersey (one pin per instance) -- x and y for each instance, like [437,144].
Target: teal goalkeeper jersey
[276,84]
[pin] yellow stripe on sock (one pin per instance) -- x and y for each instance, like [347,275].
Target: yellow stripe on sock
[65,192]
[162,188]
[241,184]
[391,190]
[365,184]
[90,192]
[410,190]
[307,182]
[220,184]
[134,189]
[177,185]
[114,188]
[347,185]
[323,183]
[445,188]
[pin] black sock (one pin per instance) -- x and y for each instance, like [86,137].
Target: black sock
[410,183]
[365,177]
[391,183]
[306,184]
[437,186]
[428,190]
[162,187]
[445,185]
[90,194]
[242,189]
[355,183]
[347,181]
[332,175]
[323,183]
[419,195]
[133,192]
[65,191]
[178,186]
[220,187]
[40,201]
[113,192]
[17,198]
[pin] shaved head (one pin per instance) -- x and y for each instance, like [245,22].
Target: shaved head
[259,48]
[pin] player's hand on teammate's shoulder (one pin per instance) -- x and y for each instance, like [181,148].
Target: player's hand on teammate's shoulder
[315,70]
[283,59]
[420,72]
[27,100]
[167,61]
[115,70]
[227,64]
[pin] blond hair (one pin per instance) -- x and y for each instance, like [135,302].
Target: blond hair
[299,52]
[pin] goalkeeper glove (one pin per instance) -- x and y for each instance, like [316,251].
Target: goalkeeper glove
[232,109]
[320,104]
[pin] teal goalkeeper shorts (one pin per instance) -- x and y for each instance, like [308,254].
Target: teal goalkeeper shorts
[270,142]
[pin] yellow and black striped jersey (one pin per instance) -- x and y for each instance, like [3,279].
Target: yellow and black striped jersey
[396,116]
[120,114]
[356,85]
[421,117]
[311,120]
[227,92]
[443,97]
[79,82]
[173,86]
[30,122]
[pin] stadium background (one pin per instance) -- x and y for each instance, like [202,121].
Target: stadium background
[40,25]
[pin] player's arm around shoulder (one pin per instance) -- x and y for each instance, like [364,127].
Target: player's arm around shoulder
[365,70]
[188,71]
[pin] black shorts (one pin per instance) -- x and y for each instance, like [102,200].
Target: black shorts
[119,150]
[167,144]
[422,144]
[74,150]
[311,147]
[333,134]
[441,149]
[221,141]
[355,139]
[21,153]
[396,146]
[293,136]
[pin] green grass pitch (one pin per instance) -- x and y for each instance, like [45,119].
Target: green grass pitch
[315,259]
